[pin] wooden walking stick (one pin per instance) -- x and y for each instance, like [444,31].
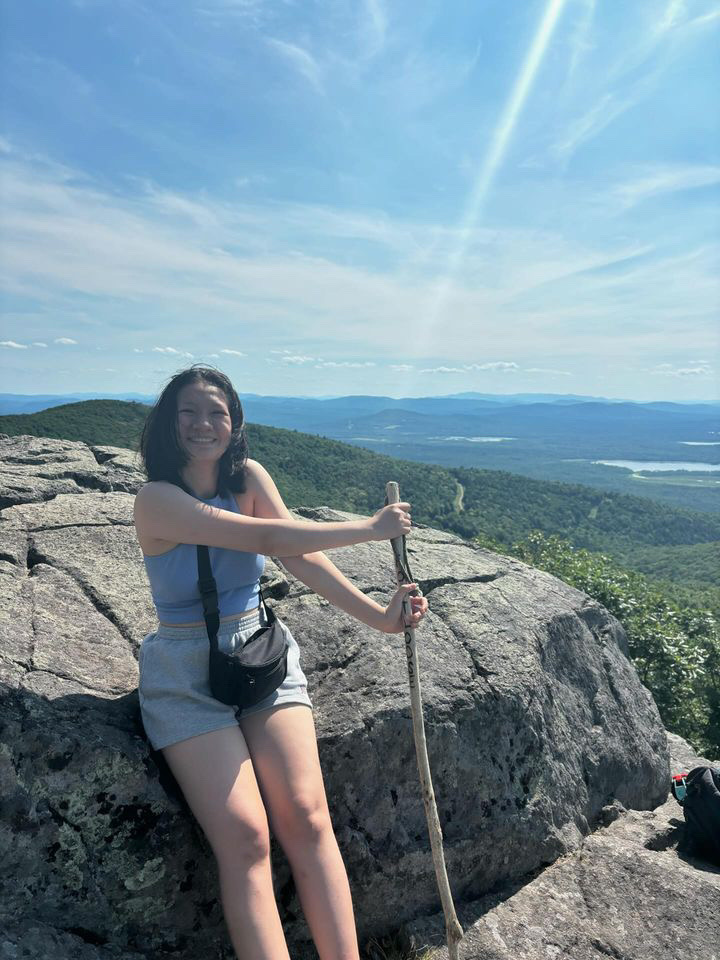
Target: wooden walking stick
[453,929]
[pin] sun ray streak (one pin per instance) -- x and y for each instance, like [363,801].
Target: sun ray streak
[493,159]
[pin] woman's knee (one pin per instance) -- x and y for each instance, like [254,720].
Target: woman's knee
[240,838]
[305,821]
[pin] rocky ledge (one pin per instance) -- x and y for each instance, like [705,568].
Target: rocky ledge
[537,727]
[629,892]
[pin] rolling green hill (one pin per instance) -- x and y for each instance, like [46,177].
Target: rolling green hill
[116,423]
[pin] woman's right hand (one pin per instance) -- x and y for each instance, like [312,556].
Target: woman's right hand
[391,521]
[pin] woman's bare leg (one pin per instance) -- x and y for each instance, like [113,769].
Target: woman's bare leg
[283,746]
[216,775]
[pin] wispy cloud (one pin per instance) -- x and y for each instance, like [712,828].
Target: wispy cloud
[580,39]
[673,14]
[66,341]
[302,61]
[66,237]
[497,366]
[246,9]
[375,26]
[350,364]
[297,360]
[234,353]
[443,370]
[494,156]
[500,365]
[549,371]
[600,115]
[701,370]
[663,180]
[633,72]
[13,345]
[173,352]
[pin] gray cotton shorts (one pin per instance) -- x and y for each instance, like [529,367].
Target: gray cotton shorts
[174,686]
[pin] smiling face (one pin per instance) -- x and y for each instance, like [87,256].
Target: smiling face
[203,421]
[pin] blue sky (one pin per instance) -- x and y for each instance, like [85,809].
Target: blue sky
[362,197]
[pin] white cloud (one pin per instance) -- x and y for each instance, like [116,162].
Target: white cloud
[692,372]
[243,182]
[546,370]
[444,370]
[700,369]
[137,350]
[514,286]
[39,343]
[251,10]
[581,44]
[301,60]
[344,363]
[662,180]
[12,344]
[173,204]
[592,122]
[375,26]
[402,367]
[500,366]
[297,360]
[705,18]
[173,352]
[65,341]
[674,13]
[234,353]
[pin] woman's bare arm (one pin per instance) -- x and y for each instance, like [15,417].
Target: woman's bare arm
[165,512]
[320,573]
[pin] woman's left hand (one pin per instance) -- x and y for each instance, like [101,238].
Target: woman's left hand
[394,622]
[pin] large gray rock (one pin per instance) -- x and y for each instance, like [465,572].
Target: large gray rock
[39,468]
[628,892]
[535,719]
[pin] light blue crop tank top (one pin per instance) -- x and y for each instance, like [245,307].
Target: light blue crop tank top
[173,577]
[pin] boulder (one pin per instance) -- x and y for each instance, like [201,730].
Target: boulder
[536,722]
[628,892]
[40,468]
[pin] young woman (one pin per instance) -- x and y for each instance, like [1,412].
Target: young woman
[241,774]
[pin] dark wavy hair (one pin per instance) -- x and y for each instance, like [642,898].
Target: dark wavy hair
[160,450]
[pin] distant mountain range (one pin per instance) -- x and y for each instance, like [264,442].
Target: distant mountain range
[342,406]
[663,451]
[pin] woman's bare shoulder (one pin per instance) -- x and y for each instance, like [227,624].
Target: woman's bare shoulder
[254,469]
[256,476]
[154,496]
[149,498]
[154,490]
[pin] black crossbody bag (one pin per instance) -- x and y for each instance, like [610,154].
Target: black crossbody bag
[251,673]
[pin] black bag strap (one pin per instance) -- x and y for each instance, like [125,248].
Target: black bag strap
[208,594]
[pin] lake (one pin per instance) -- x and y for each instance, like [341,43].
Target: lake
[654,465]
